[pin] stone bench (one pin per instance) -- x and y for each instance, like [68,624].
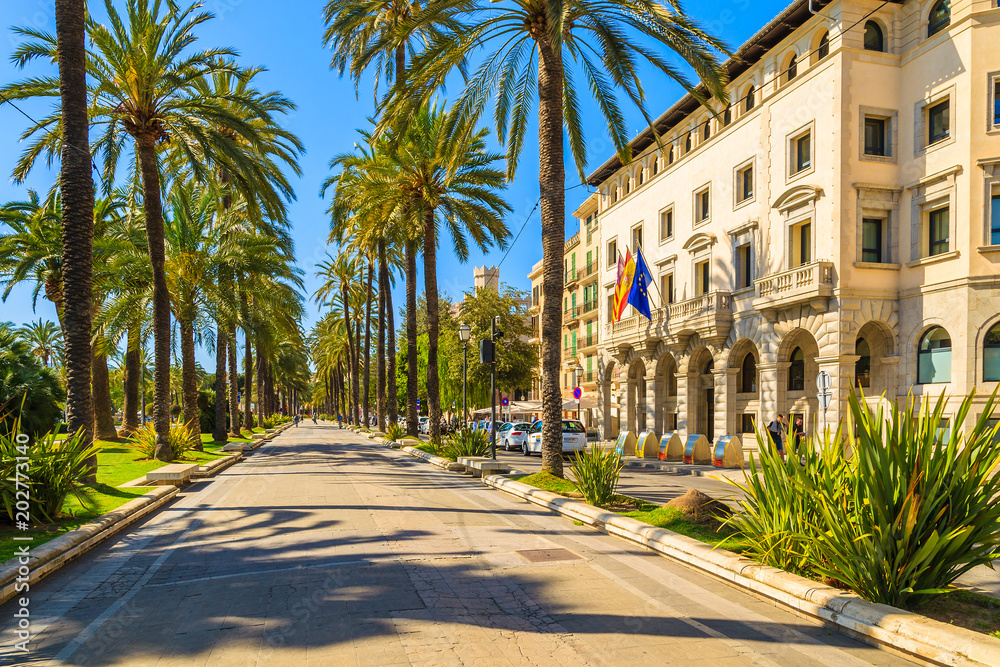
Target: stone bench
[258,436]
[480,466]
[175,474]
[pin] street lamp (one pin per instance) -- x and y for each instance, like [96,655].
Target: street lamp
[464,333]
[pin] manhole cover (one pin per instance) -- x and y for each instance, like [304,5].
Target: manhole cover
[548,555]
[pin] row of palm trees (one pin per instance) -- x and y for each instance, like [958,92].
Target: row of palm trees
[202,213]
[525,50]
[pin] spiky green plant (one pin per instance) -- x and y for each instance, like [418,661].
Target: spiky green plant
[596,472]
[144,440]
[394,432]
[467,442]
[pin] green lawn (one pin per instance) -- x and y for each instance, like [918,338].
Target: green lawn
[546,481]
[117,463]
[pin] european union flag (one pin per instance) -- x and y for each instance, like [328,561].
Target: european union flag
[639,296]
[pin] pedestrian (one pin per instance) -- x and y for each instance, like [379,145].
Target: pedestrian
[296,420]
[798,431]
[776,429]
[314,417]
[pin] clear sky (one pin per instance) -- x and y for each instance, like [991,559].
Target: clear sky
[286,37]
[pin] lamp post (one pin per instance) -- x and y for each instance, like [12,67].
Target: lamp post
[464,333]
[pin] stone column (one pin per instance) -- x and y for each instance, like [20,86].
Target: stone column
[650,399]
[841,370]
[682,403]
[890,371]
[603,410]
[767,382]
[725,401]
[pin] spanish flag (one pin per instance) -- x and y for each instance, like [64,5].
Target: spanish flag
[626,276]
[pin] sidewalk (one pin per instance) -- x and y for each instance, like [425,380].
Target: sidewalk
[326,549]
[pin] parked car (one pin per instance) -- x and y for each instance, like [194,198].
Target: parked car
[515,436]
[574,437]
[424,425]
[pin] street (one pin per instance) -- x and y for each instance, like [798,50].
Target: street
[325,548]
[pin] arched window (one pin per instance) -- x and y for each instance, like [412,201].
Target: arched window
[707,132]
[628,185]
[991,355]
[727,115]
[656,165]
[874,38]
[748,375]
[939,18]
[642,176]
[687,142]
[791,69]
[934,357]
[748,100]
[863,366]
[614,195]
[709,367]
[824,46]
[670,155]
[797,371]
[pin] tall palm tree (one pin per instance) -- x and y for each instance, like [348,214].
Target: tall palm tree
[44,337]
[143,74]
[77,188]
[440,176]
[341,288]
[538,49]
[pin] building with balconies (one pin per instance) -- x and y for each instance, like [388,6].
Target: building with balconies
[840,214]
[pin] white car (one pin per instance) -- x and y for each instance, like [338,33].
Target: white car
[515,436]
[423,425]
[574,437]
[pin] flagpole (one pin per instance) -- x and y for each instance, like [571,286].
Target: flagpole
[656,285]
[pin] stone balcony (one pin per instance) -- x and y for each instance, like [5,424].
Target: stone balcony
[810,283]
[709,315]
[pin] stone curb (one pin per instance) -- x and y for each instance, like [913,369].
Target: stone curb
[217,466]
[57,552]
[434,460]
[875,624]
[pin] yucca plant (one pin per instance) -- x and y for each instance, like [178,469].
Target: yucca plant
[596,473]
[144,440]
[394,432]
[56,469]
[468,442]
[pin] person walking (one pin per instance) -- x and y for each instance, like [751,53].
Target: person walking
[776,429]
[296,420]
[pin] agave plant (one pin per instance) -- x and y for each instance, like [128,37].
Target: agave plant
[394,432]
[596,473]
[144,440]
[467,442]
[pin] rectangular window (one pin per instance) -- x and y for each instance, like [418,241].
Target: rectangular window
[573,341]
[871,240]
[612,252]
[938,122]
[875,136]
[611,308]
[747,422]
[938,232]
[802,158]
[636,238]
[744,266]
[667,288]
[666,224]
[996,101]
[995,220]
[702,206]
[702,277]
[589,228]
[744,184]
[801,250]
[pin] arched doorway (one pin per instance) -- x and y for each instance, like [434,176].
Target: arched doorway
[872,345]
[609,404]
[797,378]
[701,393]
[636,397]
[745,399]
[665,394]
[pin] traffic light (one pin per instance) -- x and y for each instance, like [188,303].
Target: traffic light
[487,351]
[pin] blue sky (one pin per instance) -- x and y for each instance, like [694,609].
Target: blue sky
[286,37]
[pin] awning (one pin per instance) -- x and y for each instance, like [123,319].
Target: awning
[586,403]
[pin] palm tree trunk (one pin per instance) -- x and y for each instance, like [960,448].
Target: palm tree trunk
[261,365]
[153,210]
[189,385]
[431,294]
[390,325]
[383,286]
[221,346]
[131,392]
[104,418]
[368,341]
[77,191]
[247,380]
[234,385]
[551,184]
[411,337]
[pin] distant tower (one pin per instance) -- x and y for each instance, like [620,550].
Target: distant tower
[486,276]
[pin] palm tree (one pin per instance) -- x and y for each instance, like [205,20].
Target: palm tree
[340,288]
[144,87]
[606,42]
[439,175]
[77,188]
[44,337]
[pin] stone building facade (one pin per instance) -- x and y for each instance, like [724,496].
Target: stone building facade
[841,214]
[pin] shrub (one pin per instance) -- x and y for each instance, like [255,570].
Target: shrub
[468,443]
[596,473]
[56,470]
[144,440]
[915,507]
[394,432]
[30,393]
